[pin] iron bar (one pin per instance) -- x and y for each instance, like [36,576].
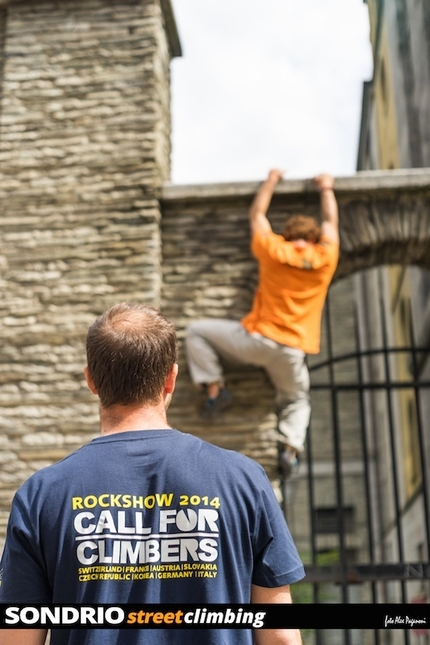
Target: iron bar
[360,573]
[365,448]
[420,430]
[368,352]
[393,449]
[337,456]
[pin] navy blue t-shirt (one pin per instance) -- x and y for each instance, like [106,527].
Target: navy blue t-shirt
[153,516]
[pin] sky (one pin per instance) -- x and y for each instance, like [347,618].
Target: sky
[267,84]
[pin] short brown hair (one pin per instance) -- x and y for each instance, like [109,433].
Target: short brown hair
[130,352]
[302,227]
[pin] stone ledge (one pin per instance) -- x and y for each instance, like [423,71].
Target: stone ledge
[171,28]
[361,182]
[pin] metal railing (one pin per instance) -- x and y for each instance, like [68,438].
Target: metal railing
[384,566]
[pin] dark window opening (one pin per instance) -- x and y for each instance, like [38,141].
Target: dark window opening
[329,520]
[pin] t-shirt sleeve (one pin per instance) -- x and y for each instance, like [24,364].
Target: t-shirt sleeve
[277,561]
[23,577]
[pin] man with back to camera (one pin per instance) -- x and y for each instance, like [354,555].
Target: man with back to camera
[284,324]
[145,513]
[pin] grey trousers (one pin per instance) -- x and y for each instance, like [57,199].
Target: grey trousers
[209,340]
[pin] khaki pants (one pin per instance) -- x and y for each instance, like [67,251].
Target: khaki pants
[208,340]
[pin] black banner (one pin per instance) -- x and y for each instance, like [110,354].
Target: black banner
[252,616]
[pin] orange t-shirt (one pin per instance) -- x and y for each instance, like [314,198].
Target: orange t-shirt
[292,289]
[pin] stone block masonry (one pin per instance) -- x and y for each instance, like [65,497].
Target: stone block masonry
[209,272]
[84,148]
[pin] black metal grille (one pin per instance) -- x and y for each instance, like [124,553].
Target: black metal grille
[380,569]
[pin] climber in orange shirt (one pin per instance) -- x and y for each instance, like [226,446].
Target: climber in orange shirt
[284,324]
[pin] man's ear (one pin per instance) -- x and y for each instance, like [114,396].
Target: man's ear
[169,385]
[89,380]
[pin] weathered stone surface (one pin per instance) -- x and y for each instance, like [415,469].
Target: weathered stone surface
[384,215]
[84,148]
[208,271]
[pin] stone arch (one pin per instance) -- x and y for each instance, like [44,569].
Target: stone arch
[384,215]
[208,271]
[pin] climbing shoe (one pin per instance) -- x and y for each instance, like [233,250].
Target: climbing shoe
[288,462]
[214,407]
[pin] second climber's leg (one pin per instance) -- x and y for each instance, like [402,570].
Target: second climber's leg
[290,376]
[206,342]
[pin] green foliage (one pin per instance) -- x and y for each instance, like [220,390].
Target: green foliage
[304,593]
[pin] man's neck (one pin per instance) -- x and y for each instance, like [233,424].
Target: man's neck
[302,244]
[125,418]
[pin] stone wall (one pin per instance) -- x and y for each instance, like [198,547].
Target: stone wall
[84,148]
[208,271]
[384,218]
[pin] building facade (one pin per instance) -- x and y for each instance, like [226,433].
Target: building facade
[393,300]
[84,148]
[88,218]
